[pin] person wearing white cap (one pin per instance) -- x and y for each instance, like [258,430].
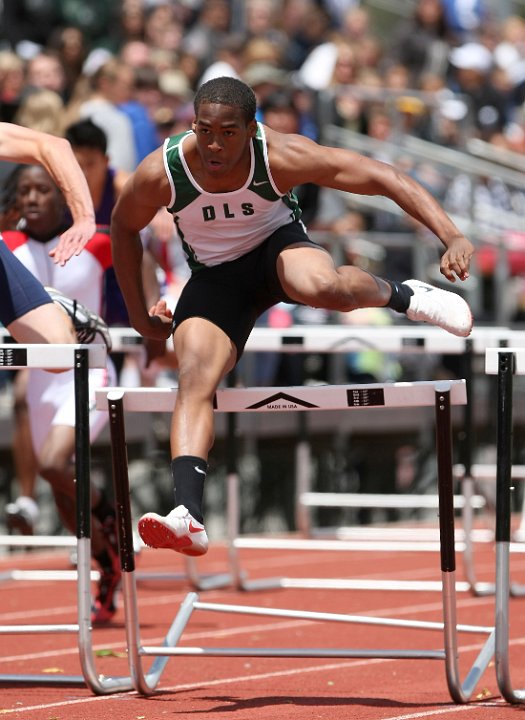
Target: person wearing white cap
[471,56]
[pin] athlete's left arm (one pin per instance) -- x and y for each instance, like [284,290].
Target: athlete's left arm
[295,159]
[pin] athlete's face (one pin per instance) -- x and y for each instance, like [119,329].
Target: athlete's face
[223,137]
[39,201]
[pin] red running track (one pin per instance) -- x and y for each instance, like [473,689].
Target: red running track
[260,688]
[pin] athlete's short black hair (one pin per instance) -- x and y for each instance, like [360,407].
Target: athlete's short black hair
[227,91]
[86,134]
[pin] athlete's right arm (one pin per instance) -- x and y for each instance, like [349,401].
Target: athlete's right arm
[145,191]
[24,145]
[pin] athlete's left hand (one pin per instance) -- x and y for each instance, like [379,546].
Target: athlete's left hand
[73,240]
[456,259]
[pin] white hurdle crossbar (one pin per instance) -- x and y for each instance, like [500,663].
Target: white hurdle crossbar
[293,399]
[441,395]
[505,363]
[347,338]
[79,358]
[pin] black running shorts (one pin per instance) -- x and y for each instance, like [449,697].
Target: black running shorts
[234,294]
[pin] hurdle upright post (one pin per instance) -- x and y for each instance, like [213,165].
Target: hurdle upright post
[506,370]
[467,481]
[83,511]
[233,490]
[303,477]
[99,684]
[79,358]
[460,692]
[144,682]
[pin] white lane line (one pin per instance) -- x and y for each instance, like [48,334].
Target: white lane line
[447,711]
[193,686]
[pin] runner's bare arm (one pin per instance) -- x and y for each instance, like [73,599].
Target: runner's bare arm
[145,191]
[295,159]
[25,145]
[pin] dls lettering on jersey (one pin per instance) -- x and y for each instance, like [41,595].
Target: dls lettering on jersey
[210,212]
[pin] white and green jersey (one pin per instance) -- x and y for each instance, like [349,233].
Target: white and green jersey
[219,227]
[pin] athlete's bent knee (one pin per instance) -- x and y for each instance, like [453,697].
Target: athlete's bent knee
[329,294]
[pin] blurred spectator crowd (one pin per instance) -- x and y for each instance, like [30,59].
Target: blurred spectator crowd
[443,71]
[135,64]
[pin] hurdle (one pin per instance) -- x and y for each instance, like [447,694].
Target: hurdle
[79,358]
[441,395]
[397,340]
[337,339]
[505,363]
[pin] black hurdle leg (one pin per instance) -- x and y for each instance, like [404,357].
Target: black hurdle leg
[101,685]
[82,453]
[119,458]
[506,369]
[467,481]
[460,692]
[83,514]
[143,682]
[445,482]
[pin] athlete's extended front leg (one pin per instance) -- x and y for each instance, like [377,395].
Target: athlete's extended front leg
[309,276]
[204,356]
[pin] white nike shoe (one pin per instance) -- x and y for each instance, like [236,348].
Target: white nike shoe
[177,531]
[439,307]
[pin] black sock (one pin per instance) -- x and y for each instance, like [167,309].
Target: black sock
[400,298]
[103,508]
[188,474]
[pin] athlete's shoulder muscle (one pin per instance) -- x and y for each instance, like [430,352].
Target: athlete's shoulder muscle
[292,158]
[149,183]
